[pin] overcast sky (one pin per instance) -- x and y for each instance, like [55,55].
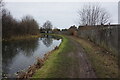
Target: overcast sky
[61,14]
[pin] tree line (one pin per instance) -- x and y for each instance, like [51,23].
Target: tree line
[12,27]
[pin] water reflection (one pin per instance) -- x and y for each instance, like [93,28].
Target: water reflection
[11,49]
[28,46]
[48,39]
[17,55]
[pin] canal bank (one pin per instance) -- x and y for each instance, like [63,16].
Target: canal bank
[57,62]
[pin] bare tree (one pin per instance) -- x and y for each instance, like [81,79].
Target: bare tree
[30,25]
[47,25]
[1,3]
[93,15]
[1,6]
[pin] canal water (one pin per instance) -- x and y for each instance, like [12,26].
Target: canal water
[18,55]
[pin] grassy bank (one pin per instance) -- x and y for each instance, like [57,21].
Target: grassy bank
[104,64]
[57,63]
[21,37]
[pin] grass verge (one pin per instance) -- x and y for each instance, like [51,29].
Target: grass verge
[104,64]
[57,63]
